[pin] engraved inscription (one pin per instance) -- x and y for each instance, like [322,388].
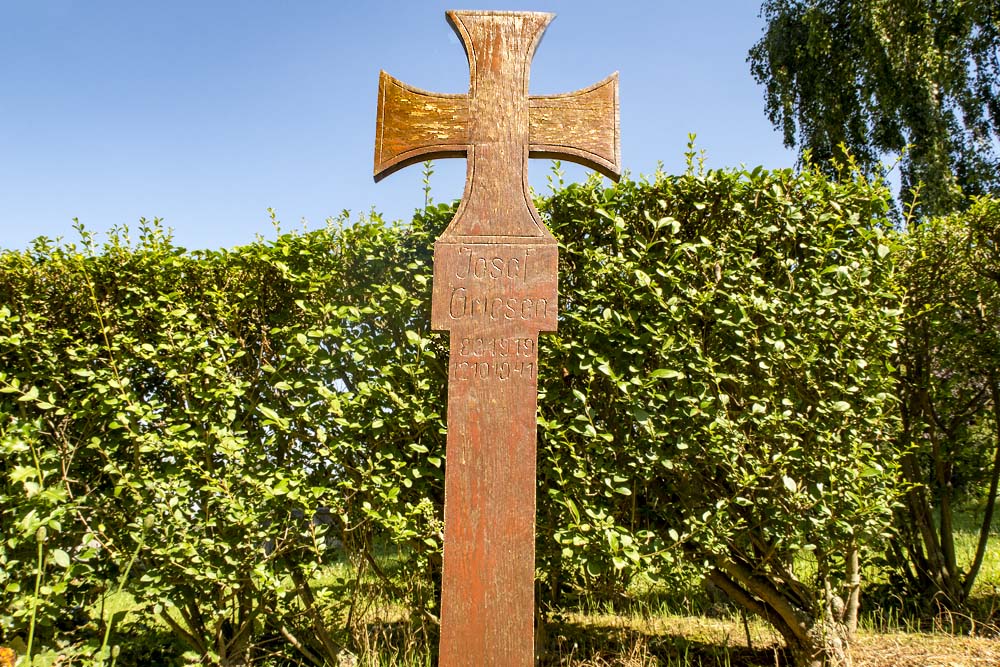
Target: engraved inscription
[464,305]
[495,284]
[499,370]
[493,265]
[479,346]
[485,358]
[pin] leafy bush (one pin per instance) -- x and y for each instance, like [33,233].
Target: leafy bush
[200,429]
[209,432]
[719,390]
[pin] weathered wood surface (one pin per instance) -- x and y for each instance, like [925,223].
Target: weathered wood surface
[494,289]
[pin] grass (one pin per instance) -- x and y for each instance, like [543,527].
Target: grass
[681,628]
[676,627]
[699,642]
[967,525]
[673,640]
[893,612]
[646,631]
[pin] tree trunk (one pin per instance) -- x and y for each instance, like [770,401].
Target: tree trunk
[811,642]
[853,604]
[824,645]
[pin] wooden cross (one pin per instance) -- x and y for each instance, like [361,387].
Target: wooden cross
[494,290]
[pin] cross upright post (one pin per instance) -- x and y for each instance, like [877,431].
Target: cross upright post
[495,288]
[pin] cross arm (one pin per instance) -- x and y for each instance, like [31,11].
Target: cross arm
[581,127]
[413,125]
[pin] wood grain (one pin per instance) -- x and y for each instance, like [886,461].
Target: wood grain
[423,125]
[581,126]
[495,288]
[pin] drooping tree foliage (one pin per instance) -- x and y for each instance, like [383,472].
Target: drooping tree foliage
[209,432]
[876,78]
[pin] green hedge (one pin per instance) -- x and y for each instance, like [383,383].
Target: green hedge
[211,431]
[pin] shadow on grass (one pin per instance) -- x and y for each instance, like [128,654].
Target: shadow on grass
[570,644]
[587,645]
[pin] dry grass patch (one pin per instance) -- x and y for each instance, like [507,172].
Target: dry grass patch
[924,650]
[577,640]
[605,640]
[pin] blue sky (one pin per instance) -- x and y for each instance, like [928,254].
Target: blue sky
[207,113]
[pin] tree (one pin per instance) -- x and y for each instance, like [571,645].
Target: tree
[949,387]
[913,79]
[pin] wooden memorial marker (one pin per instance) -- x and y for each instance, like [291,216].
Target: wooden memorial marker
[494,289]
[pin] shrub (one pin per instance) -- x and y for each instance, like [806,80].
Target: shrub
[208,432]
